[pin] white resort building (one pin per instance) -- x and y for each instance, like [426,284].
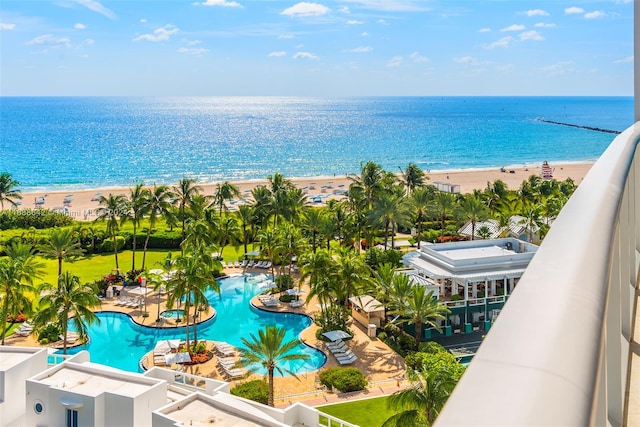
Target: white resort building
[76,392]
[473,278]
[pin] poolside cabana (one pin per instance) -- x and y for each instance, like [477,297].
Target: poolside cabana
[366,310]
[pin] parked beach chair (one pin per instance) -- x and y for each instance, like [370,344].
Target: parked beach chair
[273,302]
[22,333]
[268,264]
[250,264]
[244,263]
[296,303]
[348,360]
[337,346]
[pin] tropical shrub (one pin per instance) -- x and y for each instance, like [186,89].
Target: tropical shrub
[287,298]
[375,257]
[435,362]
[431,347]
[284,282]
[400,341]
[162,240]
[50,332]
[256,390]
[343,379]
[332,318]
[107,245]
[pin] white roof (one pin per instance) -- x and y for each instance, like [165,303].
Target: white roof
[368,303]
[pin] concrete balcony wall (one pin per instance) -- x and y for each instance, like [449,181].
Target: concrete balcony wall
[558,353]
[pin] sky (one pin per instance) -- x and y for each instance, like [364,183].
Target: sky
[316,48]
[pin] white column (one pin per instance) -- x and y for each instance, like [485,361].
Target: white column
[474,290]
[454,288]
[466,290]
[505,287]
[493,288]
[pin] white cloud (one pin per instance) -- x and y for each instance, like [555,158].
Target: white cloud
[194,51]
[573,10]
[381,22]
[6,27]
[537,12]
[305,55]
[305,9]
[86,42]
[484,30]
[544,25]
[362,49]
[97,7]
[344,9]
[416,57]
[159,35]
[595,14]
[50,39]
[514,27]
[285,36]
[354,22]
[80,26]
[224,3]
[465,60]
[277,54]
[531,35]
[143,21]
[626,60]
[364,34]
[396,61]
[503,42]
[557,69]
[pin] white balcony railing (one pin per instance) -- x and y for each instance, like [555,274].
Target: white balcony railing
[558,353]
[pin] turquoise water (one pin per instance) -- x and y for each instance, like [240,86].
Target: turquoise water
[89,142]
[117,341]
[172,314]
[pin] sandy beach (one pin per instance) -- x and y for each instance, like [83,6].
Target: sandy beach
[81,204]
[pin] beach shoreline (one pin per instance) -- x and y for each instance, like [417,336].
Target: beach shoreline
[83,202]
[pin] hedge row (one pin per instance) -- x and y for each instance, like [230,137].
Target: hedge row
[36,218]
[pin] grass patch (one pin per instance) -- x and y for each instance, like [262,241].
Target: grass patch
[366,412]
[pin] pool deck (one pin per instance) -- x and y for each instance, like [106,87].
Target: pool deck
[384,368]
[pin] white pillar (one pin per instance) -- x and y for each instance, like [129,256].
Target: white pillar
[454,288]
[493,288]
[466,290]
[474,290]
[505,287]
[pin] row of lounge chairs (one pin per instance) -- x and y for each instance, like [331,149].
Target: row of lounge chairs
[229,369]
[129,302]
[269,300]
[342,352]
[25,330]
[247,264]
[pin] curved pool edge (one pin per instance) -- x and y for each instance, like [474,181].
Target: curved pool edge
[326,358]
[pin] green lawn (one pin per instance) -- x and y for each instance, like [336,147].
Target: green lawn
[92,267]
[365,413]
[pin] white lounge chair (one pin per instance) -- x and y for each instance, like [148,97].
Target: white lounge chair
[296,303]
[347,361]
[21,333]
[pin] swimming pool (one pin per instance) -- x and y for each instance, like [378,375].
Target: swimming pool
[172,314]
[119,342]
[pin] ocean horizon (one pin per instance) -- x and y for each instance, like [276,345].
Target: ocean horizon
[60,143]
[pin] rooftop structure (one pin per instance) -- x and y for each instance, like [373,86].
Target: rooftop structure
[78,392]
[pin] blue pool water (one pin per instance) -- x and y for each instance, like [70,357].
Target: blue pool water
[172,314]
[117,341]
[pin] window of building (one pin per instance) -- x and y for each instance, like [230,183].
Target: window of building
[72,418]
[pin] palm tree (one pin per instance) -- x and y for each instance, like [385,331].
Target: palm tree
[319,268]
[368,184]
[111,209]
[68,300]
[444,205]
[194,275]
[184,193]
[473,210]
[418,309]
[389,210]
[225,191]
[269,350]
[352,274]
[137,209]
[245,218]
[61,245]
[412,178]
[419,205]
[270,244]
[156,203]
[279,186]
[8,190]
[421,403]
[17,272]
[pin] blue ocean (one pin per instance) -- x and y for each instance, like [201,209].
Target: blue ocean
[93,142]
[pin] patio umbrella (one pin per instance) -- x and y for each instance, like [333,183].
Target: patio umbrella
[336,335]
[253,253]
[181,357]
